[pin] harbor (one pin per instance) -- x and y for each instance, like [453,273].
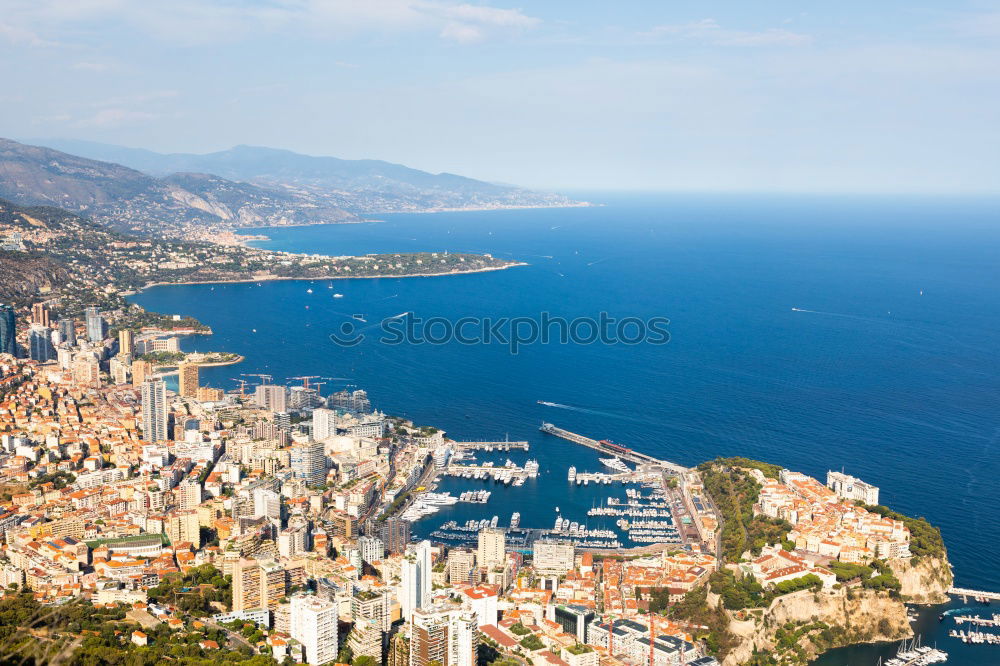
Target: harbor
[522,538]
[628,504]
[643,516]
[974,635]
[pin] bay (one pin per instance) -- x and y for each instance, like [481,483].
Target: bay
[889,369]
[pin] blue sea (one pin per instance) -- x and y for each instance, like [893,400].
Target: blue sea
[888,367]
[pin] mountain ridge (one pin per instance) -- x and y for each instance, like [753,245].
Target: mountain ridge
[129,200]
[360,186]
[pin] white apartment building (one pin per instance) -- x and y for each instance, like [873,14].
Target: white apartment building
[314,625]
[415,575]
[492,548]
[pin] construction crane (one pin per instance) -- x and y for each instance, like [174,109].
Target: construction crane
[316,386]
[305,379]
[243,386]
[264,379]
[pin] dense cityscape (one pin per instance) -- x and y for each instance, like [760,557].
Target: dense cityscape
[733,404]
[273,522]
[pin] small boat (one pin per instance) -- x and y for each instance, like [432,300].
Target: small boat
[309,291]
[338,295]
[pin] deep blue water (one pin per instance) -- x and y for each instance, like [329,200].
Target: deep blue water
[894,375]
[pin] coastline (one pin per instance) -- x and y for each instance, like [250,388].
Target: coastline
[214,364]
[235,234]
[276,278]
[472,209]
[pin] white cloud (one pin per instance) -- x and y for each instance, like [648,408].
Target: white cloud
[22,36]
[710,32]
[463,33]
[211,21]
[116,117]
[467,24]
[481,15]
[90,66]
[135,99]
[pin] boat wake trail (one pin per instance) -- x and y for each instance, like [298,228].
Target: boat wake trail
[956,611]
[587,410]
[844,316]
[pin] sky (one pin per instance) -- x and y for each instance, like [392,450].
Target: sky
[672,95]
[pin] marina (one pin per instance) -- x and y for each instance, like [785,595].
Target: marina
[975,637]
[642,517]
[509,473]
[914,654]
[475,496]
[579,535]
[427,504]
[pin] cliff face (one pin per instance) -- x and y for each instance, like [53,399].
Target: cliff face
[924,582]
[22,277]
[807,623]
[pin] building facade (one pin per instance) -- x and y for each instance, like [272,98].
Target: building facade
[154,410]
[415,573]
[187,380]
[314,625]
[492,548]
[852,488]
[449,637]
[309,463]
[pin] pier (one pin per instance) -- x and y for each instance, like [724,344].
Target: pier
[610,448]
[509,473]
[975,637]
[486,470]
[979,621]
[605,478]
[975,594]
[491,446]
